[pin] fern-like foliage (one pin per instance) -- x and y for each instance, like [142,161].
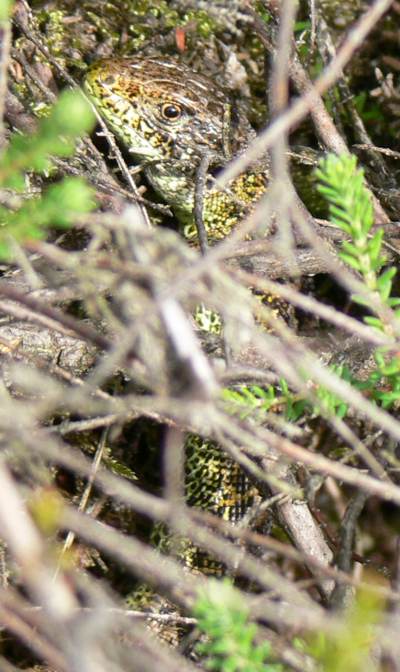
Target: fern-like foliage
[57,133]
[350,209]
[342,184]
[253,402]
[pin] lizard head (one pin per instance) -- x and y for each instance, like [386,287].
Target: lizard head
[160,110]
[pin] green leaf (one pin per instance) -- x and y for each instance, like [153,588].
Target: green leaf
[341,410]
[72,115]
[390,368]
[351,249]
[69,198]
[6,7]
[361,300]
[284,386]
[387,398]
[350,261]
[384,283]
[373,322]
[68,119]
[230,645]
[375,244]
[57,207]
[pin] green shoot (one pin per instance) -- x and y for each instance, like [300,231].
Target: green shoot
[342,184]
[231,637]
[350,209]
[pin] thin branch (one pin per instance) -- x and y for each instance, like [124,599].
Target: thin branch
[200,183]
[311,98]
[31,35]
[341,594]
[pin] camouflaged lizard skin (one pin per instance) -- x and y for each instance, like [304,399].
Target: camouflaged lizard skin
[167,116]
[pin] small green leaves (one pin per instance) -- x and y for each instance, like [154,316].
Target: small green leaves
[374,246]
[350,208]
[342,184]
[57,133]
[247,400]
[230,644]
[330,403]
[58,206]
[384,283]
[70,118]
[384,382]
[254,402]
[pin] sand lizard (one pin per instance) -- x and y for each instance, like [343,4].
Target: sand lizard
[167,116]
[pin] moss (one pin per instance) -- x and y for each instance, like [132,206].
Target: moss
[205,25]
[52,23]
[40,109]
[341,13]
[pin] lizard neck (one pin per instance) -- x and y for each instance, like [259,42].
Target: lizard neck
[174,185]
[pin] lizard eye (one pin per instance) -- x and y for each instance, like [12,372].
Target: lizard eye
[171,111]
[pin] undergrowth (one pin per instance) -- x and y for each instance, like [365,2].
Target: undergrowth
[230,645]
[341,183]
[230,635]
